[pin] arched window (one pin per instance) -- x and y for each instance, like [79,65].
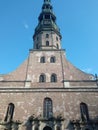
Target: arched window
[47,108]
[47,35]
[57,46]
[42,59]
[53,78]
[10,112]
[47,128]
[52,59]
[56,38]
[84,112]
[37,46]
[47,43]
[42,78]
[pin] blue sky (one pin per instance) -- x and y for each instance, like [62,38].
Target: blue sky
[78,22]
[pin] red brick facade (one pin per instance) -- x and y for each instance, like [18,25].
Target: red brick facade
[61,83]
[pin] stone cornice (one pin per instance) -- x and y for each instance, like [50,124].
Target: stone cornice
[36,90]
[31,50]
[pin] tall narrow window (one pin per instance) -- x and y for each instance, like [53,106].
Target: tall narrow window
[53,78]
[47,108]
[84,112]
[57,46]
[52,59]
[10,112]
[37,46]
[56,38]
[42,59]
[47,35]
[47,43]
[42,78]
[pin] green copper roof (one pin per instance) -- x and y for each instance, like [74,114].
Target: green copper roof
[47,1]
[47,19]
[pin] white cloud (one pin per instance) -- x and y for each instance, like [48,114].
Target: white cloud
[26,26]
[88,70]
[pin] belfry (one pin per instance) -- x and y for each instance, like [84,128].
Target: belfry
[47,33]
[47,92]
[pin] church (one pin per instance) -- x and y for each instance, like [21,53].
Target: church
[47,92]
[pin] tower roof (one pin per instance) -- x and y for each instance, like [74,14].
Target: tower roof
[47,19]
[47,1]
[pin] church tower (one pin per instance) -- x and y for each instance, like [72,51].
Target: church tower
[47,64]
[46,51]
[47,92]
[47,33]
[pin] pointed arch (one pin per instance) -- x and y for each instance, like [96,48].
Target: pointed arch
[47,108]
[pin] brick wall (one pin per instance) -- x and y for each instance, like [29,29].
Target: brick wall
[65,103]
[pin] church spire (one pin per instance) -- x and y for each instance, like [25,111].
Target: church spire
[47,1]
[47,26]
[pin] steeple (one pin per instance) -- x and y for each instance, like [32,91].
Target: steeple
[47,33]
[47,1]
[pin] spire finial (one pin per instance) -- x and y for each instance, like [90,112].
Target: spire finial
[47,1]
